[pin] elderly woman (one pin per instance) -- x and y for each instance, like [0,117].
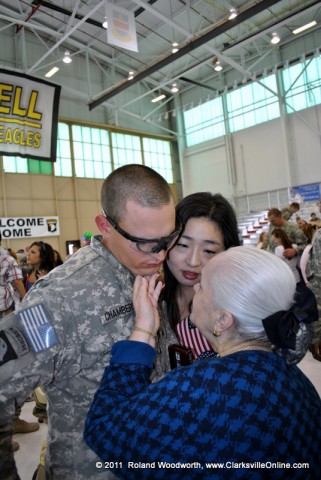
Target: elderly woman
[229,416]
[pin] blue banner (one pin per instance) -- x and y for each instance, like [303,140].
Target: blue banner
[305,193]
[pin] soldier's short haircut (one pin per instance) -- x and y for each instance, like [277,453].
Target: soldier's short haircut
[295,205]
[133,182]
[275,212]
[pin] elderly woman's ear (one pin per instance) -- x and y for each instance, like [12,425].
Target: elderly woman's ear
[224,321]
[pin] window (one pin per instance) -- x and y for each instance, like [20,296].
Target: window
[157,155]
[91,152]
[62,165]
[302,85]
[204,122]
[93,157]
[126,149]
[253,104]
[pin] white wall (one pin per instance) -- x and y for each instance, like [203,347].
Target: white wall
[270,156]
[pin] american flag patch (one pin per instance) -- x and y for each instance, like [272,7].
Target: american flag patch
[38,329]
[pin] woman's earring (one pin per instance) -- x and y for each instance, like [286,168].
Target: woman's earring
[216,334]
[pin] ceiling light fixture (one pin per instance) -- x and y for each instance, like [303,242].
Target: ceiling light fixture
[130,75]
[51,72]
[175,47]
[275,38]
[218,67]
[105,23]
[304,27]
[67,58]
[174,88]
[159,98]
[233,13]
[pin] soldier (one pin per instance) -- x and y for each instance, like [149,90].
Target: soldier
[295,234]
[287,212]
[61,336]
[313,274]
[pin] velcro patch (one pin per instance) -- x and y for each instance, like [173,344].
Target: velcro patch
[37,328]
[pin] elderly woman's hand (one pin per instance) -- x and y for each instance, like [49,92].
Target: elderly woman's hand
[145,297]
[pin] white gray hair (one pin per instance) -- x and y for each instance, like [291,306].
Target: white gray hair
[251,284]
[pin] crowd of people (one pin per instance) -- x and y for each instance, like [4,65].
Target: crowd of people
[158,280]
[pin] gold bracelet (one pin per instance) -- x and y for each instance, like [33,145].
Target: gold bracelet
[145,331]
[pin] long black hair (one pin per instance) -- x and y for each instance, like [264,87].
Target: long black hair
[200,205]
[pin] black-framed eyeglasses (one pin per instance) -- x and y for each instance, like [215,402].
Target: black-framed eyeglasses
[144,245]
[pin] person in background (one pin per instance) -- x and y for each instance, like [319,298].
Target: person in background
[313,275]
[314,217]
[287,212]
[309,230]
[41,257]
[209,227]
[262,238]
[282,242]
[12,291]
[75,249]
[316,223]
[58,259]
[85,306]
[243,406]
[293,231]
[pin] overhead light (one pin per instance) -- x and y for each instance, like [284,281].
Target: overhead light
[67,58]
[175,47]
[275,38]
[174,88]
[105,23]
[218,67]
[130,75]
[159,98]
[304,27]
[51,72]
[233,13]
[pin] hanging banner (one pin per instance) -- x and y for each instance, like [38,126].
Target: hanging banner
[27,227]
[28,116]
[304,193]
[121,29]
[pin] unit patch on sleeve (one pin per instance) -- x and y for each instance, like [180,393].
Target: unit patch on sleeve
[6,350]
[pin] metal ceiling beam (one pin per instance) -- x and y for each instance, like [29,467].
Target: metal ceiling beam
[64,11]
[209,35]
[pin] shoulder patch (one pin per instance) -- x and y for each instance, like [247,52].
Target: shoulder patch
[37,328]
[6,350]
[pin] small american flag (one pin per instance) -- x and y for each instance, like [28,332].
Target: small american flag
[190,336]
[38,329]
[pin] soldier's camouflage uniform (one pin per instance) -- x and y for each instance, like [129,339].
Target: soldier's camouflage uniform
[313,273]
[295,234]
[88,303]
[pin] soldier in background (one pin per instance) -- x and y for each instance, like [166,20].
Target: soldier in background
[287,212]
[313,274]
[61,337]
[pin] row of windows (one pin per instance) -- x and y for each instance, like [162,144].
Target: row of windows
[96,153]
[255,103]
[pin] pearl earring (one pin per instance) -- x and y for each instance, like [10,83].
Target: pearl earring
[216,334]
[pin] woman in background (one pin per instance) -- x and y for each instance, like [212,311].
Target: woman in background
[41,258]
[280,238]
[263,236]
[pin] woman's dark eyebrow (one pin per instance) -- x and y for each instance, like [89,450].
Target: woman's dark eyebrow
[212,242]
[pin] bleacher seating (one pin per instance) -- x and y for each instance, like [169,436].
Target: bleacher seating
[253,223]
